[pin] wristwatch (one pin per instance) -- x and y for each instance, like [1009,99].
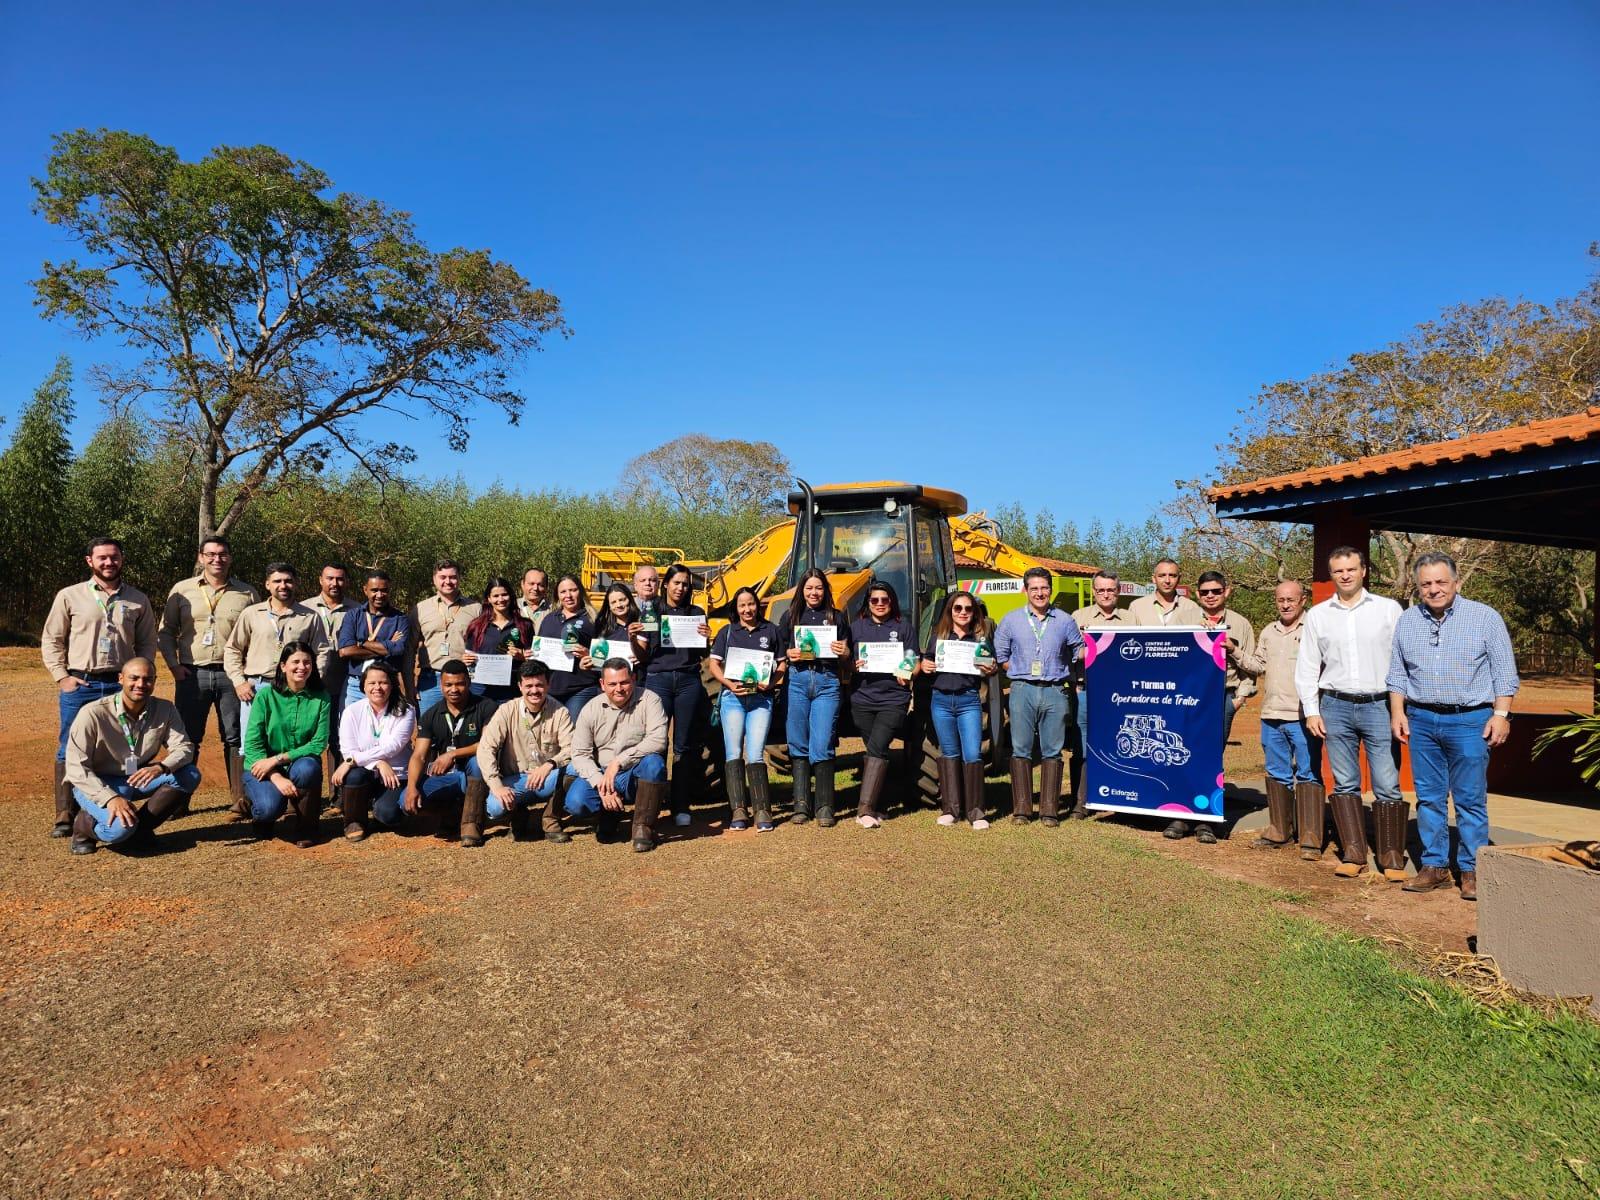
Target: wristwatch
[1504,716]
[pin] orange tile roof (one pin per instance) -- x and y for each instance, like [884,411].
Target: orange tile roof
[1576,428]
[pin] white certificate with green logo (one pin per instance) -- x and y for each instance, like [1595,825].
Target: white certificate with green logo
[602,650]
[884,658]
[682,633]
[815,641]
[492,670]
[552,653]
[748,666]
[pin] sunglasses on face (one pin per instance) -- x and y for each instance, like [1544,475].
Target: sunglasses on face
[961,608]
[878,600]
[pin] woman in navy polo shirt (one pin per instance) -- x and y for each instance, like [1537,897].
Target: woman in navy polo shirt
[814,685]
[880,700]
[956,710]
[745,709]
[618,614]
[674,676]
[570,621]
[498,629]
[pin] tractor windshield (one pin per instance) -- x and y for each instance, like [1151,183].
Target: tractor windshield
[873,541]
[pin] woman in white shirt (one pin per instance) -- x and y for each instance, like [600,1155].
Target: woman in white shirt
[375,739]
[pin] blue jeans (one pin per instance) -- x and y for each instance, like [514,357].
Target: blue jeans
[958,724]
[451,787]
[1351,726]
[1038,711]
[1292,753]
[1450,761]
[386,806]
[682,695]
[68,704]
[744,726]
[523,796]
[813,713]
[267,802]
[185,779]
[575,702]
[429,692]
[582,796]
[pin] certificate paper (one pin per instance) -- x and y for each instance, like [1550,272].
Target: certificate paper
[603,649]
[550,651]
[884,658]
[748,666]
[960,658]
[815,641]
[682,633]
[492,670]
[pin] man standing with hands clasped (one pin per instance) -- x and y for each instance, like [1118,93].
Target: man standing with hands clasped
[1037,645]
[1451,679]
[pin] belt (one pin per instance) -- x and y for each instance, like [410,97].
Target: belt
[202,667]
[1356,697]
[97,676]
[1055,683]
[1449,708]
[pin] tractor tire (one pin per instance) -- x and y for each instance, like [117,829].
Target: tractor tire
[996,725]
[1124,745]
[1158,756]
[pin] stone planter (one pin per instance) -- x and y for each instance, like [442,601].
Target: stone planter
[1540,921]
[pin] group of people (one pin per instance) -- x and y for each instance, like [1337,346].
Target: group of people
[386,707]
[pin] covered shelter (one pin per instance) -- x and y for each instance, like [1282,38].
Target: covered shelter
[1537,483]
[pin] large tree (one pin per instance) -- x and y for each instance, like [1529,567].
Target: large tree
[34,496]
[701,474]
[269,317]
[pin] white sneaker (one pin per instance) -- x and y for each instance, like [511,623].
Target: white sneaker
[682,818]
[980,823]
[946,819]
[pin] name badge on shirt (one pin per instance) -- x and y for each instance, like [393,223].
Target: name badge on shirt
[1037,670]
[105,643]
[209,638]
[130,765]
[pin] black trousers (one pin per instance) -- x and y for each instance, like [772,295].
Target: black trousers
[878,726]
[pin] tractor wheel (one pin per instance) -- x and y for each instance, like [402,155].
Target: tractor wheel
[996,726]
[1158,756]
[1124,745]
[925,793]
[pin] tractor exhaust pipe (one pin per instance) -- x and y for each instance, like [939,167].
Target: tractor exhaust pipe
[808,529]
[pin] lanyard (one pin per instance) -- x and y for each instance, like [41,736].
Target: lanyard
[377,727]
[277,623]
[454,726]
[372,629]
[211,598]
[106,605]
[1038,630]
[328,612]
[127,730]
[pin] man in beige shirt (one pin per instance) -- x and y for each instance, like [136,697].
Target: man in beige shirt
[195,625]
[122,748]
[438,632]
[330,606]
[523,755]
[1291,752]
[619,756]
[534,603]
[263,630]
[1164,606]
[92,629]
[1102,614]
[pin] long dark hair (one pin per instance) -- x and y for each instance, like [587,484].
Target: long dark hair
[280,681]
[980,628]
[880,585]
[798,604]
[583,597]
[397,699]
[481,622]
[761,607]
[672,572]
[607,621]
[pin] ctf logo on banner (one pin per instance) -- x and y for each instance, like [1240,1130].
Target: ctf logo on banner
[1155,721]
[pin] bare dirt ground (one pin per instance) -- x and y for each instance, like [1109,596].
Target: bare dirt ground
[804,1013]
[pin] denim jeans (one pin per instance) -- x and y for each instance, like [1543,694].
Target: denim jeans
[575,702]
[185,779]
[451,787]
[813,713]
[744,726]
[682,695]
[1450,761]
[1038,711]
[386,805]
[1351,726]
[582,796]
[68,704]
[429,692]
[204,689]
[958,724]
[267,802]
[1292,753]
[524,796]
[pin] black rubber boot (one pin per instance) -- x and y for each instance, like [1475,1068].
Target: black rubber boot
[824,777]
[738,803]
[756,783]
[802,790]
[83,839]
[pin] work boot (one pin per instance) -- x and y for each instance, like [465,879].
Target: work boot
[66,804]
[1075,786]
[353,804]
[1050,793]
[680,787]
[1350,820]
[1021,790]
[233,762]
[874,773]
[550,826]
[755,778]
[646,805]
[1426,880]
[474,813]
[1311,819]
[823,772]
[1469,885]
[307,809]
[161,805]
[1389,820]
[608,826]
[1280,817]
[949,790]
[802,790]
[1178,829]
[520,819]
[972,792]
[83,839]
[733,782]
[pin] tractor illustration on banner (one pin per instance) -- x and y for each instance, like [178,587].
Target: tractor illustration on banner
[1145,735]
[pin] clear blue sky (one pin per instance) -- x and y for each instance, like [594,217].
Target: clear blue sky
[1045,250]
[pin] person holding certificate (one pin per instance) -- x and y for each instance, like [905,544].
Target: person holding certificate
[576,681]
[375,737]
[502,634]
[886,659]
[673,675]
[959,660]
[620,629]
[818,644]
[744,661]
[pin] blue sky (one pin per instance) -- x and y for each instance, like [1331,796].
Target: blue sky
[1034,252]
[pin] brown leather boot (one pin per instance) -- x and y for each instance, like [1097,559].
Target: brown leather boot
[646,806]
[353,803]
[550,818]
[1311,819]
[66,804]
[1021,790]
[972,793]
[1349,819]
[949,790]
[874,774]
[1431,878]
[1389,820]
[1469,885]
[307,808]
[161,805]
[1050,793]
[474,813]
[1280,817]
[233,762]
[758,785]
[83,839]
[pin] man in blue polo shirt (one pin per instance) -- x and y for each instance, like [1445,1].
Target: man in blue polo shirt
[1037,645]
[1451,678]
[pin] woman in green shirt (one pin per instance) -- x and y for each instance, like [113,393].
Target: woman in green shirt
[283,745]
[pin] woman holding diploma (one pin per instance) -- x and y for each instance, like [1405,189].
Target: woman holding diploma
[571,624]
[961,641]
[674,676]
[619,625]
[886,659]
[818,644]
[375,739]
[498,629]
[744,661]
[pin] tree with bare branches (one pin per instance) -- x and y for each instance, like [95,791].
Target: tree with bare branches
[701,474]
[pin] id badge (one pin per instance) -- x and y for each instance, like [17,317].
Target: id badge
[209,638]
[105,644]
[1037,670]
[130,765]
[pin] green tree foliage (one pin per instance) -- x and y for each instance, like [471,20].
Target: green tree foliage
[33,495]
[278,327]
[701,474]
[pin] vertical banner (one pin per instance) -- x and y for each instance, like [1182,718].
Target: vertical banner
[1155,721]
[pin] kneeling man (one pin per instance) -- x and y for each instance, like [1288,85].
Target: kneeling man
[444,774]
[619,756]
[123,748]
[525,749]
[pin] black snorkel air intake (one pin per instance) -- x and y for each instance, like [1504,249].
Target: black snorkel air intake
[808,525]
